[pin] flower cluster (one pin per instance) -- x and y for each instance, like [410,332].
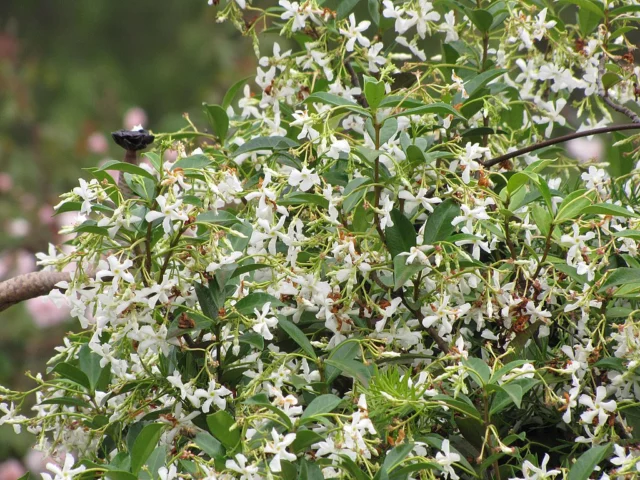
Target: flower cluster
[351,277]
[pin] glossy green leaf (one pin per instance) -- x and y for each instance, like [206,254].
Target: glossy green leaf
[144,445]
[478,369]
[265,143]
[345,7]
[220,424]
[397,455]
[126,167]
[403,272]
[309,470]
[218,120]
[374,92]
[301,198]
[74,374]
[478,81]
[209,445]
[572,205]
[439,225]
[297,336]
[608,209]
[620,276]
[321,405]
[441,109]
[586,464]
[401,236]
[352,368]
[233,91]
[482,19]
[256,300]
[193,162]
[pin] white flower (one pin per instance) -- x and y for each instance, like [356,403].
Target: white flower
[279,447]
[262,323]
[354,33]
[531,472]
[449,26]
[470,216]
[541,25]
[170,473]
[419,198]
[422,15]
[304,179]
[212,395]
[169,212]
[116,270]
[374,57]
[598,408]
[595,177]
[446,458]
[64,473]
[551,114]
[87,193]
[302,119]
[10,417]
[239,465]
[468,160]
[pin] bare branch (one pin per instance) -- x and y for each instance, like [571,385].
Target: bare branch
[604,94]
[554,141]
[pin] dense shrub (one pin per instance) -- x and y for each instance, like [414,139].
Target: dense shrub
[355,272]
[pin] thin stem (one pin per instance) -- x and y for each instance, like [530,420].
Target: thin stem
[555,141]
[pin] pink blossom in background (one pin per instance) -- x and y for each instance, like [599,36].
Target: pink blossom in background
[585,150]
[25,262]
[35,461]
[45,313]
[6,182]
[135,116]
[5,265]
[97,143]
[170,155]
[45,214]
[11,470]
[18,227]
[28,201]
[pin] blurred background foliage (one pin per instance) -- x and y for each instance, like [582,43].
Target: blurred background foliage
[70,73]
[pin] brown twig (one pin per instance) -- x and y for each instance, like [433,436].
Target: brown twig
[30,285]
[604,94]
[356,83]
[554,141]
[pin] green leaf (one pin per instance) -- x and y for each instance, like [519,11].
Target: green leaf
[145,443]
[345,7]
[69,372]
[252,338]
[572,205]
[402,272]
[155,160]
[373,91]
[397,455]
[459,406]
[126,167]
[518,179]
[155,462]
[309,470]
[588,19]
[262,400]
[480,18]
[90,365]
[220,424]
[221,218]
[441,109]
[319,406]
[542,218]
[388,130]
[620,276]
[233,91]
[374,11]
[193,162]
[590,5]
[401,236]
[218,120]
[119,475]
[209,298]
[608,209]
[586,464]
[69,401]
[265,143]
[301,198]
[209,445]
[475,83]
[335,101]
[352,368]
[297,336]
[304,439]
[439,225]
[346,350]
[255,300]
[478,370]
[611,363]
[633,234]
[609,79]
[353,194]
